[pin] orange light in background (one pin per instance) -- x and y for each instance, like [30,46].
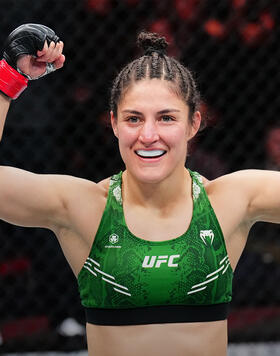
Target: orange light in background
[215,28]
[162,26]
[186,10]
[251,33]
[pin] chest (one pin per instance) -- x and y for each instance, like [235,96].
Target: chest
[159,226]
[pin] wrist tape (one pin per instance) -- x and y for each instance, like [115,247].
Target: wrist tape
[12,83]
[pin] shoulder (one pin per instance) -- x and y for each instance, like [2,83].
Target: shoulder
[248,180]
[81,198]
[232,184]
[73,185]
[69,187]
[251,191]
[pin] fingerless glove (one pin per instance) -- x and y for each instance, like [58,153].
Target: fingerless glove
[26,39]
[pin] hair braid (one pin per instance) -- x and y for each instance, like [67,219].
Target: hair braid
[140,70]
[169,75]
[155,65]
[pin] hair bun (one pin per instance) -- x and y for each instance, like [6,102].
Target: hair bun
[152,42]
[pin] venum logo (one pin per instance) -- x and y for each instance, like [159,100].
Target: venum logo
[207,235]
[156,261]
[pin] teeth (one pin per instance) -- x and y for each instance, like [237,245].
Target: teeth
[153,153]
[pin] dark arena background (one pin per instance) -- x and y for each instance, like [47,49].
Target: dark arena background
[60,125]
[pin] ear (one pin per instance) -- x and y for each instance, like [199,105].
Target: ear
[114,123]
[194,127]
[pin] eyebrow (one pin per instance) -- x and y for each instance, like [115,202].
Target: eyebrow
[165,111]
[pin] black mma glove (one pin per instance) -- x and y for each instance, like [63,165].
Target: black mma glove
[26,39]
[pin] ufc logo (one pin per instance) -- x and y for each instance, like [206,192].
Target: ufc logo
[150,262]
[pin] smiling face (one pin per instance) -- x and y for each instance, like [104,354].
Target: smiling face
[153,129]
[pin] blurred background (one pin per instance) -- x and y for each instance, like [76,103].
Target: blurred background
[60,125]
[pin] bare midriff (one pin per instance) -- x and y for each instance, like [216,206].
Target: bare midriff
[176,339]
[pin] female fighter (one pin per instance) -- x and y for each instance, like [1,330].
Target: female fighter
[153,247]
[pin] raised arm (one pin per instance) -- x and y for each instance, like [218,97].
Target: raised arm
[29,199]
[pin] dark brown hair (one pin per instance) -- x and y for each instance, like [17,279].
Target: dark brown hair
[156,64]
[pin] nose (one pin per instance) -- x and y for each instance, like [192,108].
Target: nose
[149,133]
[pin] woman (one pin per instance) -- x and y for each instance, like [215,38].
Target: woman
[154,247]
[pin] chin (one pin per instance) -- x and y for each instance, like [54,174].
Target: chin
[149,176]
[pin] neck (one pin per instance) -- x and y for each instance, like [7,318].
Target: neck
[156,195]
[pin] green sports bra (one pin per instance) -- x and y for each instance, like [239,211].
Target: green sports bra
[128,281]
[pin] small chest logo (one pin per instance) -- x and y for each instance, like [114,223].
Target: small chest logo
[114,238]
[156,261]
[207,235]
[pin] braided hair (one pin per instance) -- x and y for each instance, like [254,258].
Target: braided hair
[155,64]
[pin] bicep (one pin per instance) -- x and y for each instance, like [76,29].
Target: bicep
[249,195]
[28,199]
[265,199]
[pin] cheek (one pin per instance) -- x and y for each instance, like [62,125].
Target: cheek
[126,137]
[177,136]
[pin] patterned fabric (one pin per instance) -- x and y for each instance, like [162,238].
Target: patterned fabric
[125,271]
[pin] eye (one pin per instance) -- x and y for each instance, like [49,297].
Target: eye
[133,119]
[167,118]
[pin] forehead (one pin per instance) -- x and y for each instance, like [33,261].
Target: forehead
[152,93]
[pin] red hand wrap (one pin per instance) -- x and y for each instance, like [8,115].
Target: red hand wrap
[12,83]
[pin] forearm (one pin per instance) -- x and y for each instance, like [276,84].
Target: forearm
[4,107]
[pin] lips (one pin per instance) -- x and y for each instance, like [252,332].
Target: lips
[150,153]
